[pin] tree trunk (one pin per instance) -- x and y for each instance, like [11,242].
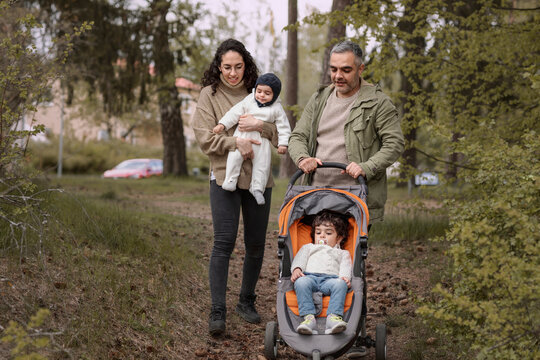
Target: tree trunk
[335,33]
[172,126]
[414,46]
[288,167]
[172,131]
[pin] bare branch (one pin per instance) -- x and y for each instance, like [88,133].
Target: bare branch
[517,9]
[444,161]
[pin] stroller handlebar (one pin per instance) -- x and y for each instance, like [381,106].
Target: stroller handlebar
[336,165]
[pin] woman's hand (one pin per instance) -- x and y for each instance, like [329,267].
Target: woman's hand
[245,147]
[248,123]
[297,273]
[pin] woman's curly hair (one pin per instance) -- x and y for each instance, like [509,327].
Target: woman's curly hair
[211,76]
[336,220]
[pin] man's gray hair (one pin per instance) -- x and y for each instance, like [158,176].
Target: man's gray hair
[346,46]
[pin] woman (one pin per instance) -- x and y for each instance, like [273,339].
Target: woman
[230,77]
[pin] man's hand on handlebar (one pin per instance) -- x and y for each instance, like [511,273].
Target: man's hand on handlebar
[309,164]
[354,170]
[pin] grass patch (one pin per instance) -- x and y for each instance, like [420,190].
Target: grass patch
[407,228]
[119,275]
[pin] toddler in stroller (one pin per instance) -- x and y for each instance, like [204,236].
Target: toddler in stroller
[322,266]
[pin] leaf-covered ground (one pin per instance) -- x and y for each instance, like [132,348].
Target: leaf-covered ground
[143,307]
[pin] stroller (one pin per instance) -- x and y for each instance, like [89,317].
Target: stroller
[299,207]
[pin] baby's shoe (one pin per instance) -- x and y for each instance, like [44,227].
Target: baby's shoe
[308,326]
[229,185]
[259,197]
[335,324]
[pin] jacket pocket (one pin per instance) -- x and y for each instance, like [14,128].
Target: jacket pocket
[364,128]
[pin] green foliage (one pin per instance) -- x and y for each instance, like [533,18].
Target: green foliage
[494,303]
[467,87]
[26,75]
[25,343]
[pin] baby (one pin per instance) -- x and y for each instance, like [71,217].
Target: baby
[264,105]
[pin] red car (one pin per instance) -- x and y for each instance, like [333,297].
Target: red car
[135,169]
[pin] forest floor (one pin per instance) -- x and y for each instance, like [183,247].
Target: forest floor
[397,275]
[105,304]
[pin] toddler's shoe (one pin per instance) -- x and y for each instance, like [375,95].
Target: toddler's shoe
[335,324]
[308,326]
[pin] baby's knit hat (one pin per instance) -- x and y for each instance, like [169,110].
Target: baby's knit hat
[272,81]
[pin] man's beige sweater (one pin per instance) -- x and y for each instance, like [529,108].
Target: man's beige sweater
[210,109]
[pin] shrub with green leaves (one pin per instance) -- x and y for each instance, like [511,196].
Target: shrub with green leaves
[493,303]
[26,75]
[26,344]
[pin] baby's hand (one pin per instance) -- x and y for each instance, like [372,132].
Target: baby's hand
[346,281]
[218,128]
[297,273]
[282,149]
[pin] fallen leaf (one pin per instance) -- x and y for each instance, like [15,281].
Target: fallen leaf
[370,273]
[201,352]
[60,285]
[404,302]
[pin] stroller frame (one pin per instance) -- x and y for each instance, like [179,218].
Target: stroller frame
[324,346]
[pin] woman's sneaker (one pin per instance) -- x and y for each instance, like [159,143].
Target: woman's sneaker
[335,324]
[216,323]
[246,309]
[308,326]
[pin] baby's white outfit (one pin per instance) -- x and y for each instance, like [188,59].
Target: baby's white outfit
[262,153]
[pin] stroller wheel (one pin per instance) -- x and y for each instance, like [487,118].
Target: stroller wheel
[316,355]
[380,342]
[270,340]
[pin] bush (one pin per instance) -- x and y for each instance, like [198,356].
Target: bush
[494,302]
[90,157]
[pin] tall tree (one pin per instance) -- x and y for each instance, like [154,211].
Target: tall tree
[336,32]
[410,27]
[287,167]
[172,127]
[116,56]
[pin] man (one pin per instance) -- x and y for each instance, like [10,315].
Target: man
[351,122]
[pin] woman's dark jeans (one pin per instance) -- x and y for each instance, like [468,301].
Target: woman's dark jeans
[226,216]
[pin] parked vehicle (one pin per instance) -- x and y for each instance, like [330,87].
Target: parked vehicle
[135,169]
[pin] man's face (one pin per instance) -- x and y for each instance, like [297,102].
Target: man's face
[345,73]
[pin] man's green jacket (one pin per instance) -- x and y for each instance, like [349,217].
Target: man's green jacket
[373,139]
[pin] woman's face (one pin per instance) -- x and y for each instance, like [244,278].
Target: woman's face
[232,67]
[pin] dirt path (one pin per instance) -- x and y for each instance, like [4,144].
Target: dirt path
[391,285]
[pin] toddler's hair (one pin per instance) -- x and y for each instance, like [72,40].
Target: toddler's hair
[337,221]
